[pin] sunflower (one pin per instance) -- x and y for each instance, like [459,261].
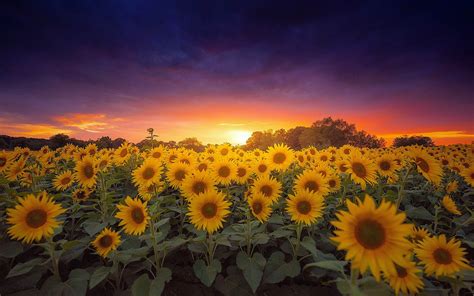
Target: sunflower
[334,182]
[103,162]
[312,181]
[362,170]
[197,183]
[268,187]
[452,187]
[373,237]
[203,165]
[147,193]
[386,165]
[148,173]
[208,211]
[280,157]
[122,154]
[224,150]
[243,172]
[33,218]
[442,257]
[260,207]
[134,216]
[468,175]
[427,165]
[81,194]
[86,173]
[91,149]
[261,167]
[63,181]
[305,207]
[4,160]
[223,171]
[342,165]
[106,241]
[418,234]
[158,153]
[450,205]
[406,278]
[177,173]
[15,169]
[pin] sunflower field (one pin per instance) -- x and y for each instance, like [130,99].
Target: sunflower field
[347,220]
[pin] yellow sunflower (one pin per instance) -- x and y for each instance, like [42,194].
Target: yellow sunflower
[158,153]
[242,173]
[373,237]
[468,175]
[418,234]
[148,173]
[312,181]
[176,174]
[268,187]
[86,173]
[280,157]
[63,181]
[208,211]
[334,182]
[386,165]
[452,187]
[450,205]
[362,170]
[406,279]
[33,218]
[133,215]
[15,169]
[147,193]
[261,167]
[81,194]
[442,257]
[4,160]
[260,207]
[197,183]
[103,162]
[427,165]
[223,171]
[305,207]
[106,241]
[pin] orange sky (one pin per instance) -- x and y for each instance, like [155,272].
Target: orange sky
[222,124]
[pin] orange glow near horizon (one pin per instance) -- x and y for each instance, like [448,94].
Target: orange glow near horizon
[218,123]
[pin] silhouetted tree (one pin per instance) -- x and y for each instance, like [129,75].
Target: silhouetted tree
[59,140]
[191,143]
[104,142]
[412,140]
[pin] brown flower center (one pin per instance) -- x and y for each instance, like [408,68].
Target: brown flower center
[279,158]
[124,152]
[343,168]
[262,168]
[442,256]
[241,172]
[199,187]
[424,166]
[323,158]
[137,215]
[81,194]
[180,175]
[224,151]
[148,173]
[401,272]
[370,234]
[36,218]
[105,241]
[209,210]
[266,190]
[384,165]
[257,207]
[332,183]
[311,186]
[202,167]
[303,207]
[65,181]
[300,158]
[156,154]
[359,170]
[224,171]
[88,171]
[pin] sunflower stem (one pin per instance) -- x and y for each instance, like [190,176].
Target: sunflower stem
[155,246]
[103,197]
[354,276]
[249,234]
[54,260]
[299,230]
[402,187]
[436,219]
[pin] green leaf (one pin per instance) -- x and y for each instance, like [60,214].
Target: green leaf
[260,239]
[163,275]
[77,283]
[99,275]
[419,213]
[277,269]
[10,249]
[141,286]
[334,265]
[252,268]
[310,245]
[207,274]
[92,228]
[22,268]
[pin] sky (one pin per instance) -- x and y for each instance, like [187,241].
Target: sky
[218,70]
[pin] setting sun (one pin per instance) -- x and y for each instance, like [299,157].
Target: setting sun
[239,137]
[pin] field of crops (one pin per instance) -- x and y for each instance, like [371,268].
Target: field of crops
[77,221]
